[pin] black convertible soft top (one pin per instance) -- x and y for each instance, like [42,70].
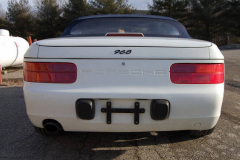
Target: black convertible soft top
[148,25]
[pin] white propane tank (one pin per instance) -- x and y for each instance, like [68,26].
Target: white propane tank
[12,49]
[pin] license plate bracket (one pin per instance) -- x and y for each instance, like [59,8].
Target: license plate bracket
[109,110]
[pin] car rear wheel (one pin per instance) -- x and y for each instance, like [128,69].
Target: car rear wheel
[201,133]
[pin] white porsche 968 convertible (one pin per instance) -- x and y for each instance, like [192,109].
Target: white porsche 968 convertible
[124,73]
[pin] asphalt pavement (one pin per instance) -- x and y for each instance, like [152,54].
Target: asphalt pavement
[18,140]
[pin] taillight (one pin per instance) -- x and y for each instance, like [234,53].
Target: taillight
[50,72]
[197,73]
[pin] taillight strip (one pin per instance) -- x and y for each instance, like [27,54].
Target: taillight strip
[50,72]
[189,73]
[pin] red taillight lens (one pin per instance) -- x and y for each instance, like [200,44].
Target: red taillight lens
[50,72]
[197,73]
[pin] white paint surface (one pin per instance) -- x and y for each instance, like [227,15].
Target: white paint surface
[145,75]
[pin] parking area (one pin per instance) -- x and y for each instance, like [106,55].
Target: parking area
[20,141]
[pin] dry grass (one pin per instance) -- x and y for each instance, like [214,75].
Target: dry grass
[13,82]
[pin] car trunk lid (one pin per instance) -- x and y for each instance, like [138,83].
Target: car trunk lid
[124,48]
[125,42]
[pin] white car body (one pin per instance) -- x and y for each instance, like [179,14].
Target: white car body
[124,79]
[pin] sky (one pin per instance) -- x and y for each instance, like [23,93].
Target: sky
[139,4]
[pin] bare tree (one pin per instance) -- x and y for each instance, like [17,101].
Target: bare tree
[2,12]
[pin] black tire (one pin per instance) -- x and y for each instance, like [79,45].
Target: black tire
[201,133]
[43,131]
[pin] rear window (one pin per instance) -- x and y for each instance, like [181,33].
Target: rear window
[102,26]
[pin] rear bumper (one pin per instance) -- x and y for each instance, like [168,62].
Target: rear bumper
[74,124]
[191,108]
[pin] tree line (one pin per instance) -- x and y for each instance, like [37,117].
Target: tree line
[204,19]
[50,17]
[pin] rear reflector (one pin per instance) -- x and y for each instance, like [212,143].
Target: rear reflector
[50,72]
[197,73]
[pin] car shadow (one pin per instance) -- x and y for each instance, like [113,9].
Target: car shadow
[119,139]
